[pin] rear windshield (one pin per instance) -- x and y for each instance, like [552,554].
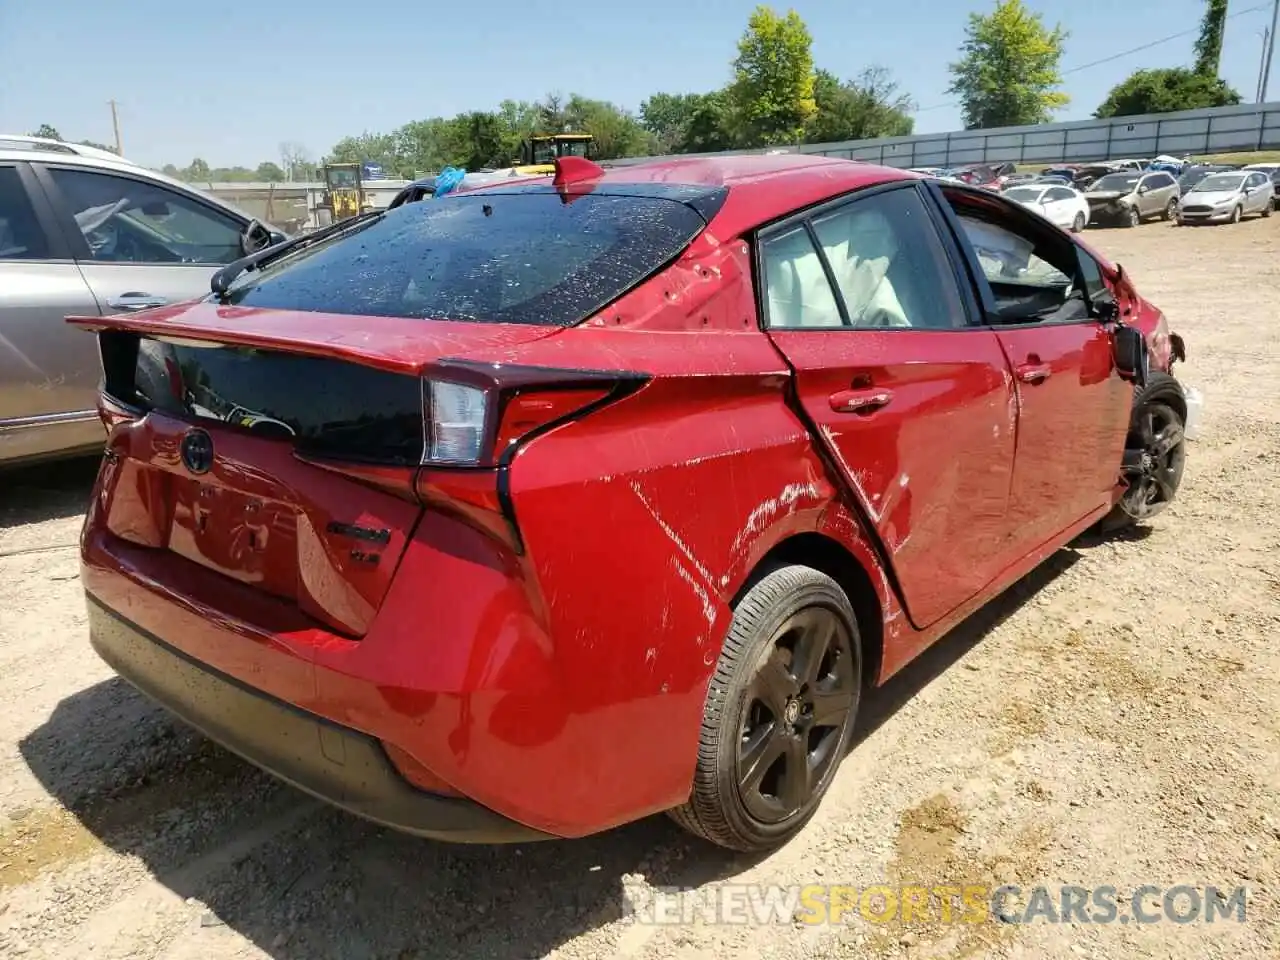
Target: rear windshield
[521,257]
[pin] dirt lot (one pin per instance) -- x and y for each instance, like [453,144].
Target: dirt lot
[1114,720]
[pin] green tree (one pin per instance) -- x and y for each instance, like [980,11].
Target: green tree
[47,132]
[269,172]
[1209,43]
[870,106]
[197,170]
[1008,73]
[772,91]
[687,122]
[1166,90]
[480,140]
[616,133]
[710,126]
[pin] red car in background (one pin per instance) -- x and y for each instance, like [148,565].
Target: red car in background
[544,507]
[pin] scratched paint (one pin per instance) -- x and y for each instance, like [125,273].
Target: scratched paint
[763,514]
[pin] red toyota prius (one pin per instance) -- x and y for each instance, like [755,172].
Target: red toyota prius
[540,508]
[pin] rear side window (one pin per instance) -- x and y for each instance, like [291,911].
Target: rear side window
[20,235]
[521,257]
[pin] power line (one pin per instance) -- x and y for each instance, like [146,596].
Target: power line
[1118,56]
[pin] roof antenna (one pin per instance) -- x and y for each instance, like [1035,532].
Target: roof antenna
[575,170]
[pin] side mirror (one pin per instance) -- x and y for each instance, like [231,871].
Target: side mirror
[1105,308]
[255,237]
[1131,356]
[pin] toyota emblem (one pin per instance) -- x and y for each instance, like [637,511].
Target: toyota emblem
[197,451]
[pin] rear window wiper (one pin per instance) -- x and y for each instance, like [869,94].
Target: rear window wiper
[221,281]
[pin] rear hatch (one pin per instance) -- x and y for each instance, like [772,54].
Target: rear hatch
[273,440]
[260,457]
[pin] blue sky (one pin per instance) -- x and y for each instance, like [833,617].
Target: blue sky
[230,87]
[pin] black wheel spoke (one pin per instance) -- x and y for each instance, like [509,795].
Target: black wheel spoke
[1163,487]
[1168,439]
[775,685]
[797,778]
[1147,427]
[760,751]
[831,708]
[811,648]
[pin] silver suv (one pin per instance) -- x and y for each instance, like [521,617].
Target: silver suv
[85,232]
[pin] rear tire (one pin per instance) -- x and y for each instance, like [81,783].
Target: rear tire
[1078,223]
[779,713]
[1155,453]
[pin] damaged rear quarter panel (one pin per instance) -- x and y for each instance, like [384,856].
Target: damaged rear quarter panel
[640,522]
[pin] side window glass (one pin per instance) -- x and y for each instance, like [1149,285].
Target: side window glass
[889,263]
[796,285]
[1008,257]
[1090,273]
[1028,282]
[129,221]
[20,235]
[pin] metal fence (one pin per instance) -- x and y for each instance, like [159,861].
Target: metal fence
[1239,129]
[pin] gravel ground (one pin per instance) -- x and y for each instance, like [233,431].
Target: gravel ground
[1113,720]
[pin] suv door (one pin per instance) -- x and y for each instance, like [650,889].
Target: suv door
[1037,290]
[1161,189]
[48,372]
[913,403]
[140,243]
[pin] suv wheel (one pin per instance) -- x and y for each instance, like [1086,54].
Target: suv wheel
[779,713]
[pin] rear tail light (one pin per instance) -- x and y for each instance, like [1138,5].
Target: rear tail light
[477,415]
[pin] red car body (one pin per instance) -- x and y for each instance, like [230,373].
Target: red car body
[522,647]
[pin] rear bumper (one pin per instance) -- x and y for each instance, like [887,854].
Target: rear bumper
[334,763]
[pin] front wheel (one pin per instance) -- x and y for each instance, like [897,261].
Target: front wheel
[1170,209]
[1236,214]
[779,713]
[1266,211]
[1078,223]
[1132,218]
[1155,452]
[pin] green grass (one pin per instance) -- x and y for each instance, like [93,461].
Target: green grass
[1254,156]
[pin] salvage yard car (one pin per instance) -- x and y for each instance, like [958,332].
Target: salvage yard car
[1128,198]
[546,506]
[1227,198]
[1058,204]
[85,231]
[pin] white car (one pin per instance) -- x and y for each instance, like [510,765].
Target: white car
[1065,206]
[1227,197]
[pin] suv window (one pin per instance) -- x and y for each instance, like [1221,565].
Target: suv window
[131,221]
[506,256]
[1159,180]
[20,235]
[889,266]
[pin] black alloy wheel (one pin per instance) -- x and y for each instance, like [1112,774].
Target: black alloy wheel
[1154,457]
[799,704]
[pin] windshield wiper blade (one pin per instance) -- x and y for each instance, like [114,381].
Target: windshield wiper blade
[221,281]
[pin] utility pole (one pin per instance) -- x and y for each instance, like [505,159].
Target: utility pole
[1270,49]
[115,123]
[1262,64]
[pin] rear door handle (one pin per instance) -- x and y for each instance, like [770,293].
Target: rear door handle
[859,401]
[136,301]
[1034,372]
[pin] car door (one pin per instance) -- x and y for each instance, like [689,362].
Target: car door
[913,404]
[1038,289]
[48,372]
[140,243]
[1259,192]
[1061,206]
